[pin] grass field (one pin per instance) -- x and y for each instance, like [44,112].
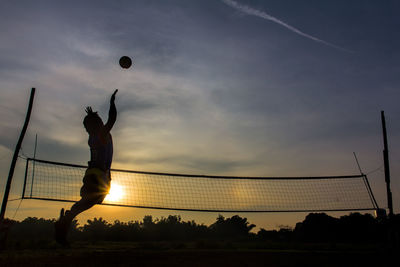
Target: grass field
[148,254]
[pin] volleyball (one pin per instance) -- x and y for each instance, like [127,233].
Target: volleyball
[125,62]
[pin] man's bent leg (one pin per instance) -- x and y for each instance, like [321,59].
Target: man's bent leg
[64,222]
[79,207]
[96,184]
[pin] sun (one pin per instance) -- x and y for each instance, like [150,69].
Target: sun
[116,193]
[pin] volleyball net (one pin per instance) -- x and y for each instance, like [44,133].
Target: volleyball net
[55,181]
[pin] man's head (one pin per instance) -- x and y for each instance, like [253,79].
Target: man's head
[92,121]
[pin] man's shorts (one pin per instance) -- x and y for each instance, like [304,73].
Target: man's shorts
[96,184]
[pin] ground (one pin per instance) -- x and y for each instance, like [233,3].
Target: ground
[132,254]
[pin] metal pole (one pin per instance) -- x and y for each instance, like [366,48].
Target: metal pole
[25,178]
[34,163]
[15,157]
[386,164]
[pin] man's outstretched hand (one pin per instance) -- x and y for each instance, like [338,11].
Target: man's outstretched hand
[113,96]
[89,110]
[112,113]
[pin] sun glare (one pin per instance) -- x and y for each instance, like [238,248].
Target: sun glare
[116,193]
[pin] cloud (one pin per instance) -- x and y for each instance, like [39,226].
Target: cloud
[262,14]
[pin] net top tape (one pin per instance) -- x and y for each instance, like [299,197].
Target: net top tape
[207,176]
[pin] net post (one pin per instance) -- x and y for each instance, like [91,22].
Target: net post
[15,157]
[25,178]
[34,164]
[386,164]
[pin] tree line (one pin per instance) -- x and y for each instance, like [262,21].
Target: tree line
[316,227]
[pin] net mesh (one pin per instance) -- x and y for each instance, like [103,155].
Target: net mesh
[62,182]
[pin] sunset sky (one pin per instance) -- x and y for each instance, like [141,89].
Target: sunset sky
[246,87]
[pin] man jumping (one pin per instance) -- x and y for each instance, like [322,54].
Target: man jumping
[97,179]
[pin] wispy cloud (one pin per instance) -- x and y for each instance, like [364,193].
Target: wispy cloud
[262,14]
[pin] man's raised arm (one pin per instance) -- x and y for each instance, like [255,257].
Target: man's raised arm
[112,114]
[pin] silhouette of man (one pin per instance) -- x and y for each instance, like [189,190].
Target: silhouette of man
[97,179]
